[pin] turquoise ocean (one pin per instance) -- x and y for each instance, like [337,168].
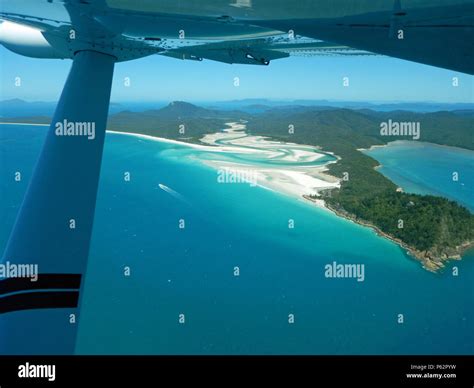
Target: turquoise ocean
[425,168]
[190,270]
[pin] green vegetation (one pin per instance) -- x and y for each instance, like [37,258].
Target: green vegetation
[446,128]
[432,224]
[178,120]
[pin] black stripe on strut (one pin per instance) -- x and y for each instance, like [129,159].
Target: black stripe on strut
[39,300]
[44,282]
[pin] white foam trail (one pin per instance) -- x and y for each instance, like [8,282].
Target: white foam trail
[173,193]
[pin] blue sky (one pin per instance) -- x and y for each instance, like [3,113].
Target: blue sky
[158,78]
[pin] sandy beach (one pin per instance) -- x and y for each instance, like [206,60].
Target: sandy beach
[372,147]
[282,167]
[32,124]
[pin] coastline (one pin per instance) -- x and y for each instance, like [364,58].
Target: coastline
[372,147]
[291,180]
[412,143]
[32,124]
[165,140]
[279,180]
[427,259]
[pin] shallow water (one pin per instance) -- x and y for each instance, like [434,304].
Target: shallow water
[191,271]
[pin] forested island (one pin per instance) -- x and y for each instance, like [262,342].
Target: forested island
[433,229]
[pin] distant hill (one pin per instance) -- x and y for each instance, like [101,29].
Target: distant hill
[464,112]
[171,120]
[255,108]
[20,108]
[17,107]
[248,104]
[180,109]
[14,102]
[362,127]
[317,125]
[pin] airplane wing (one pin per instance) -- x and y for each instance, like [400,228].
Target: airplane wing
[254,51]
[441,36]
[261,51]
[54,225]
[438,33]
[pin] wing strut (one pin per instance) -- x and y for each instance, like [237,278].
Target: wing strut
[53,227]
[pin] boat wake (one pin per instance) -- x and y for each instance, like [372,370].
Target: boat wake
[174,193]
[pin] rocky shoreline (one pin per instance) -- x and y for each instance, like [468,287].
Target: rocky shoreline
[431,261]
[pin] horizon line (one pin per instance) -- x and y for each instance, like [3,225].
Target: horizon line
[290,100]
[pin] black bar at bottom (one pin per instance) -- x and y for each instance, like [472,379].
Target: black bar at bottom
[310,371]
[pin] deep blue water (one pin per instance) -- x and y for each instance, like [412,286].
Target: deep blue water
[190,271]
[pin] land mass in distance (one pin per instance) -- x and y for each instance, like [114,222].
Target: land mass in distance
[435,229]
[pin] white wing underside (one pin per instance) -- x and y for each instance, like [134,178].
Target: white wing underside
[435,32]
